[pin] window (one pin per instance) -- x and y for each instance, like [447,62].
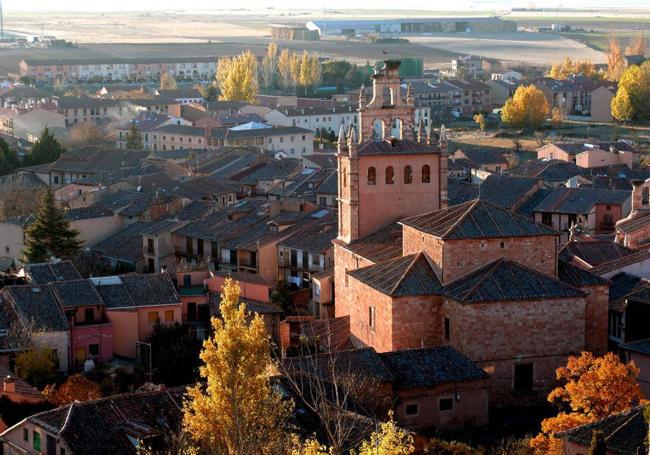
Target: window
[61,451]
[37,441]
[446,404]
[523,380]
[199,247]
[408,175]
[189,245]
[93,349]
[411,409]
[25,434]
[426,174]
[89,315]
[169,315]
[152,317]
[372,316]
[615,325]
[372,176]
[645,196]
[150,246]
[447,328]
[390,175]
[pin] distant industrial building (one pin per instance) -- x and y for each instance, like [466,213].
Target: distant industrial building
[326,27]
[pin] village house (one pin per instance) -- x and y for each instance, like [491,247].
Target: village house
[603,257]
[591,155]
[493,160]
[414,285]
[145,122]
[181,95]
[639,353]
[624,432]
[135,304]
[596,209]
[288,141]
[24,96]
[97,110]
[633,231]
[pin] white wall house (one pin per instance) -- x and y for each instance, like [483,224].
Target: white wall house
[314,118]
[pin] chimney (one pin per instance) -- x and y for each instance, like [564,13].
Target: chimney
[9,384]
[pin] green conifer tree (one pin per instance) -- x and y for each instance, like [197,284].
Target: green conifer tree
[134,138]
[50,233]
[46,150]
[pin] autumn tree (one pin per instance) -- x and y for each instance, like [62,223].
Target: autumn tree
[569,68]
[237,412]
[85,133]
[527,108]
[296,64]
[479,119]
[637,46]
[310,446]
[134,137]
[50,234]
[167,82]
[76,388]
[309,71]
[270,67]
[237,77]
[632,100]
[558,116]
[615,59]
[389,439]
[36,366]
[595,387]
[284,70]
[46,149]
[8,158]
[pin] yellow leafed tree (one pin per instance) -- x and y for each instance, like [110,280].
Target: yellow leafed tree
[595,387]
[615,60]
[527,108]
[569,68]
[632,100]
[237,77]
[237,412]
[270,66]
[284,70]
[295,64]
[389,439]
[309,70]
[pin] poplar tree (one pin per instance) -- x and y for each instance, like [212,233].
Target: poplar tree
[237,412]
[237,78]
[50,234]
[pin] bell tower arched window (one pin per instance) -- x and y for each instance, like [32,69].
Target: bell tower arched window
[372,176]
[408,175]
[390,175]
[426,174]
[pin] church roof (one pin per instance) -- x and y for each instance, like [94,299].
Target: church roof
[506,280]
[379,246]
[476,219]
[391,146]
[406,276]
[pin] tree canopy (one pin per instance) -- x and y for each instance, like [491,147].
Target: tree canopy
[527,108]
[237,77]
[594,388]
[632,100]
[8,159]
[167,82]
[50,234]
[569,68]
[237,412]
[46,150]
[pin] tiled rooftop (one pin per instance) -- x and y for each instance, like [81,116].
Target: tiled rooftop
[476,219]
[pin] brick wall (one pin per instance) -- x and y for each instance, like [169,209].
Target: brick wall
[455,258]
[470,406]
[416,322]
[345,261]
[497,335]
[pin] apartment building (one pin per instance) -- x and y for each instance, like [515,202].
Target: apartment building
[325,119]
[452,98]
[86,109]
[580,97]
[118,69]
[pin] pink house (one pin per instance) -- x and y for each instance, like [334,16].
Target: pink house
[91,334]
[134,304]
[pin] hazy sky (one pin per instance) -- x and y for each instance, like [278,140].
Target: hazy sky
[157,5]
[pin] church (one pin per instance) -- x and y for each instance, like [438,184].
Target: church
[412,272]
